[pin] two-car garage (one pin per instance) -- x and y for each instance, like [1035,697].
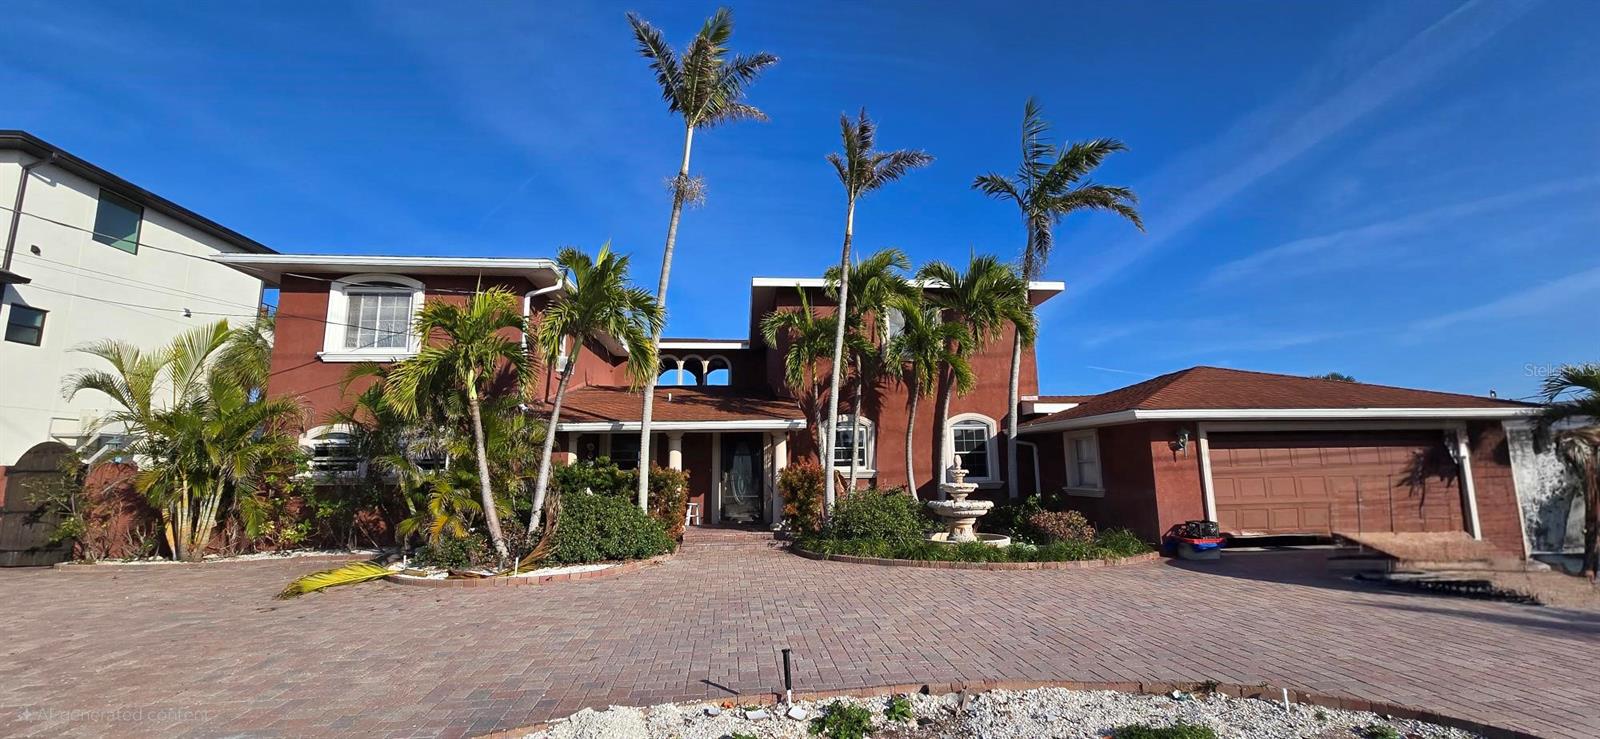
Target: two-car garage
[1316,482]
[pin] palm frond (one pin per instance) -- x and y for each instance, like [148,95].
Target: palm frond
[350,574]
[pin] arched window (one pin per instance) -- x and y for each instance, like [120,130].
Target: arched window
[971,436]
[854,436]
[369,319]
[719,371]
[672,374]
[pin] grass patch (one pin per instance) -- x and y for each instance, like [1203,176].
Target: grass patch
[1175,731]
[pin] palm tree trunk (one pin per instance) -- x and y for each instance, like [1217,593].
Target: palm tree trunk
[941,416]
[911,430]
[1013,406]
[829,493]
[655,339]
[855,434]
[491,516]
[542,485]
[1591,515]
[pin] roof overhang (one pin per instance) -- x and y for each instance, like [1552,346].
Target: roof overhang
[704,344]
[764,424]
[271,268]
[1282,414]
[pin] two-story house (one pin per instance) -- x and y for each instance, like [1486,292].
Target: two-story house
[89,256]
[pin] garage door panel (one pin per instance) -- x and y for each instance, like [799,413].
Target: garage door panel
[1320,482]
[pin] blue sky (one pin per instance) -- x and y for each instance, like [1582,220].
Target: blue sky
[1406,192]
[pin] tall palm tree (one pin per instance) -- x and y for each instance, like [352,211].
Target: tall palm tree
[1573,395]
[988,298]
[1050,184]
[877,284]
[196,423]
[478,347]
[925,346]
[861,170]
[601,302]
[707,89]
[805,338]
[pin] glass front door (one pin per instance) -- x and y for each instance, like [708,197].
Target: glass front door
[742,497]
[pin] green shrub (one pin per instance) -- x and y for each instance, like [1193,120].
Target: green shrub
[452,554]
[1011,517]
[1062,526]
[842,720]
[599,528]
[669,498]
[802,488]
[1380,731]
[1179,730]
[1121,543]
[1110,545]
[899,709]
[598,476]
[886,516]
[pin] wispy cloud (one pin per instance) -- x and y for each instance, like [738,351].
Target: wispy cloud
[1362,244]
[1536,300]
[1293,125]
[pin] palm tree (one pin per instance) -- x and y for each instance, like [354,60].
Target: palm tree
[1050,184]
[924,347]
[196,423]
[987,299]
[707,89]
[878,283]
[809,338]
[478,348]
[1573,395]
[601,302]
[861,170]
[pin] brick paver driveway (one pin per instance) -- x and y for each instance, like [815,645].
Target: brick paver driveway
[205,651]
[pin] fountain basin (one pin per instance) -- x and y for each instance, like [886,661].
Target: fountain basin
[993,540]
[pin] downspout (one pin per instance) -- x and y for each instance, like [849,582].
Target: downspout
[16,207]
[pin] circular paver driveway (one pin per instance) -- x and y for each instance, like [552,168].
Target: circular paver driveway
[205,651]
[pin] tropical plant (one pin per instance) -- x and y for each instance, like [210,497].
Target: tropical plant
[197,424]
[706,88]
[925,346]
[805,338]
[878,286]
[899,709]
[600,302]
[861,170]
[801,487]
[988,298]
[350,574]
[596,528]
[1050,184]
[1572,418]
[841,720]
[477,349]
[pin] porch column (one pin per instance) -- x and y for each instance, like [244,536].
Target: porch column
[1464,452]
[674,450]
[779,442]
[716,478]
[572,443]
[1208,490]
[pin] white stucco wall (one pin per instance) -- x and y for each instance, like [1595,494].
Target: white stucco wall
[70,263]
[1552,503]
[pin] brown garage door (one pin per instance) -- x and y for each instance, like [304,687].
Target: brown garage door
[1319,483]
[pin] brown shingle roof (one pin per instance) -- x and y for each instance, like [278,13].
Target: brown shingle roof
[687,404]
[1216,388]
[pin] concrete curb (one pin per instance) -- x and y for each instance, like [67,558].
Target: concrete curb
[503,582]
[1261,691]
[932,565]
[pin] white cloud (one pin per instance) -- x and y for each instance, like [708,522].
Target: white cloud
[1533,301]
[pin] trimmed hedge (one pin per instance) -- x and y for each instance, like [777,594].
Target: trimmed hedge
[889,516]
[1114,544]
[600,528]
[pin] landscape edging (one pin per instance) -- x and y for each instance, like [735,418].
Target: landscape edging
[120,566]
[495,582]
[945,565]
[1261,691]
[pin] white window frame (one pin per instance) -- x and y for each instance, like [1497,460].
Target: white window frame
[334,329]
[308,441]
[993,478]
[869,452]
[1075,485]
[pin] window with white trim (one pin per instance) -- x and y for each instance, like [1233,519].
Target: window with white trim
[332,450]
[895,323]
[853,437]
[370,318]
[971,437]
[1083,461]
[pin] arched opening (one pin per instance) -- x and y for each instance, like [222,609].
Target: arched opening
[719,372]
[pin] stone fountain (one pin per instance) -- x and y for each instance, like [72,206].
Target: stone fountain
[960,513]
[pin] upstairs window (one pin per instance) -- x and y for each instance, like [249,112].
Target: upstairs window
[116,222]
[852,437]
[25,325]
[370,319]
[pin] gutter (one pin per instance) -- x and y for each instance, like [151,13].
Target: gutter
[16,214]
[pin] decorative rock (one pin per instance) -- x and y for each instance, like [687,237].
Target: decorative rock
[713,711]
[757,715]
[797,713]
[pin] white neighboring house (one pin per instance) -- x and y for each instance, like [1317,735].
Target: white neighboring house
[89,256]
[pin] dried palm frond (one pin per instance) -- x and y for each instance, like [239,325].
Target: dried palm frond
[350,574]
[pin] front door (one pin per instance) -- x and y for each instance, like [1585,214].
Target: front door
[742,498]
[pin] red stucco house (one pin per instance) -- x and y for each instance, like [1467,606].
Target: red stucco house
[1260,453]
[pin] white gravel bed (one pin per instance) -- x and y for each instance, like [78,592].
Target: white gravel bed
[432,573]
[253,557]
[999,714]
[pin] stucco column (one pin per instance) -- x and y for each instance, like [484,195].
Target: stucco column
[674,450]
[780,459]
[716,478]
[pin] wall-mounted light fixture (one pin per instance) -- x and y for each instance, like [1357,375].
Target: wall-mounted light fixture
[1452,446]
[1181,443]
